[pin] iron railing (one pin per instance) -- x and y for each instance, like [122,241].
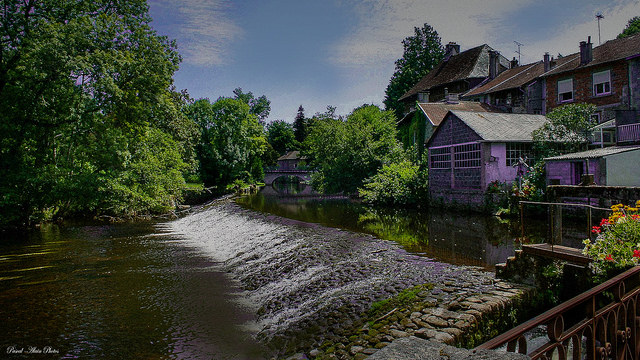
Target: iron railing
[629,132]
[601,323]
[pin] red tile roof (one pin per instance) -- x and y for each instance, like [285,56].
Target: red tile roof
[510,79]
[436,112]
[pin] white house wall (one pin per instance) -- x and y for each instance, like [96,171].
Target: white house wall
[623,169]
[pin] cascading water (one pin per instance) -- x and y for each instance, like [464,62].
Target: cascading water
[306,282]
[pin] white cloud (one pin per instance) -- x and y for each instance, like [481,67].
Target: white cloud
[382,24]
[567,36]
[203,27]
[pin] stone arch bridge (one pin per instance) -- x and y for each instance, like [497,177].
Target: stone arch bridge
[272,175]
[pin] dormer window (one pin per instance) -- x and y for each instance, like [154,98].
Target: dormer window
[565,90]
[602,83]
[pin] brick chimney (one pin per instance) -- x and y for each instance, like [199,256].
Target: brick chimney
[514,63]
[547,63]
[586,51]
[494,63]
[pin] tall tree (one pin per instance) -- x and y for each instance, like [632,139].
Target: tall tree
[260,107]
[570,125]
[633,27]
[422,52]
[280,135]
[84,88]
[300,125]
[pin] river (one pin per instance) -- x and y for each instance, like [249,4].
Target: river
[225,280]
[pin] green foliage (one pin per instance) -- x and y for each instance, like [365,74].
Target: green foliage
[404,299]
[260,107]
[422,52]
[633,27]
[397,183]
[568,124]
[280,135]
[86,107]
[617,246]
[232,141]
[345,153]
[300,125]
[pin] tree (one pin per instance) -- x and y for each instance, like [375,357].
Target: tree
[280,134]
[259,107]
[345,153]
[84,91]
[633,27]
[232,141]
[300,125]
[569,125]
[422,52]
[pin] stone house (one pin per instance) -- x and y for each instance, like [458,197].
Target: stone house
[418,125]
[607,76]
[469,150]
[610,166]
[456,74]
[290,160]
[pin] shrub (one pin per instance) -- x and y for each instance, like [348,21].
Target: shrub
[397,183]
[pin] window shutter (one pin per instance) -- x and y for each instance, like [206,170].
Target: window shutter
[565,86]
[601,77]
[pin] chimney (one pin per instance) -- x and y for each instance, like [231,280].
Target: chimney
[446,94]
[452,99]
[514,63]
[586,51]
[547,63]
[451,49]
[494,63]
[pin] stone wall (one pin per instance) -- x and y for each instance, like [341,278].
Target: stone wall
[605,195]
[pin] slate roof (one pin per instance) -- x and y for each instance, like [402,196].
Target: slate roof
[502,127]
[510,79]
[472,63]
[612,50]
[291,155]
[438,110]
[594,153]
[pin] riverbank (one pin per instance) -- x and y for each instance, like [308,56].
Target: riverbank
[311,286]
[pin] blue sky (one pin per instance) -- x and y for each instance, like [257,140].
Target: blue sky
[341,52]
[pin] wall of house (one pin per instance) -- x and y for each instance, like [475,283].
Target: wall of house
[535,97]
[583,88]
[634,83]
[290,164]
[623,169]
[562,171]
[498,170]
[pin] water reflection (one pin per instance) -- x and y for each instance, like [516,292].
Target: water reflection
[117,291]
[468,239]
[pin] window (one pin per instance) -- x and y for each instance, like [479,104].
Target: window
[595,117]
[440,157]
[602,83]
[565,90]
[467,155]
[515,151]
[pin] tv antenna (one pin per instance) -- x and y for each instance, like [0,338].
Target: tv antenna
[599,16]
[518,52]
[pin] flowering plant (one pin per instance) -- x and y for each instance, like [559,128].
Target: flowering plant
[617,245]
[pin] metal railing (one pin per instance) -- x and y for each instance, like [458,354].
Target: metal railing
[590,325]
[629,132]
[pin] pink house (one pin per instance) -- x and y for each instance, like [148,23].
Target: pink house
[469,150]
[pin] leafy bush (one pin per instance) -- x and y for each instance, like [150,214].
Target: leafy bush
[617,245]
[397,183]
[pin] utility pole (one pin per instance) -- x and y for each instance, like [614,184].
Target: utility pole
[518,52]
[599,16]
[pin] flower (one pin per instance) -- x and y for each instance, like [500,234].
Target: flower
[636,253]
[609,258]
[596,230]
[604,221]
[635,216]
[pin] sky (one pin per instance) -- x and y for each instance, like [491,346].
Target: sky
[341,53]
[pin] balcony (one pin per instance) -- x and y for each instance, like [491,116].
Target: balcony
[629,133]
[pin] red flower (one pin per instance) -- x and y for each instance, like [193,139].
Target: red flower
[636,253]
[635,216]
[596,230]
[609,258]
[604,222]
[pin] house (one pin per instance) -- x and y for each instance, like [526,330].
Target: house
[419,124]
[611,166]
[455,74]
[469,150]
[607,76]
[290,160]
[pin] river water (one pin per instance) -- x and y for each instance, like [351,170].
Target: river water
[227,279]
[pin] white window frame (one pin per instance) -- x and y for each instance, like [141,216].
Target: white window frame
[605,81]
[560,83]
